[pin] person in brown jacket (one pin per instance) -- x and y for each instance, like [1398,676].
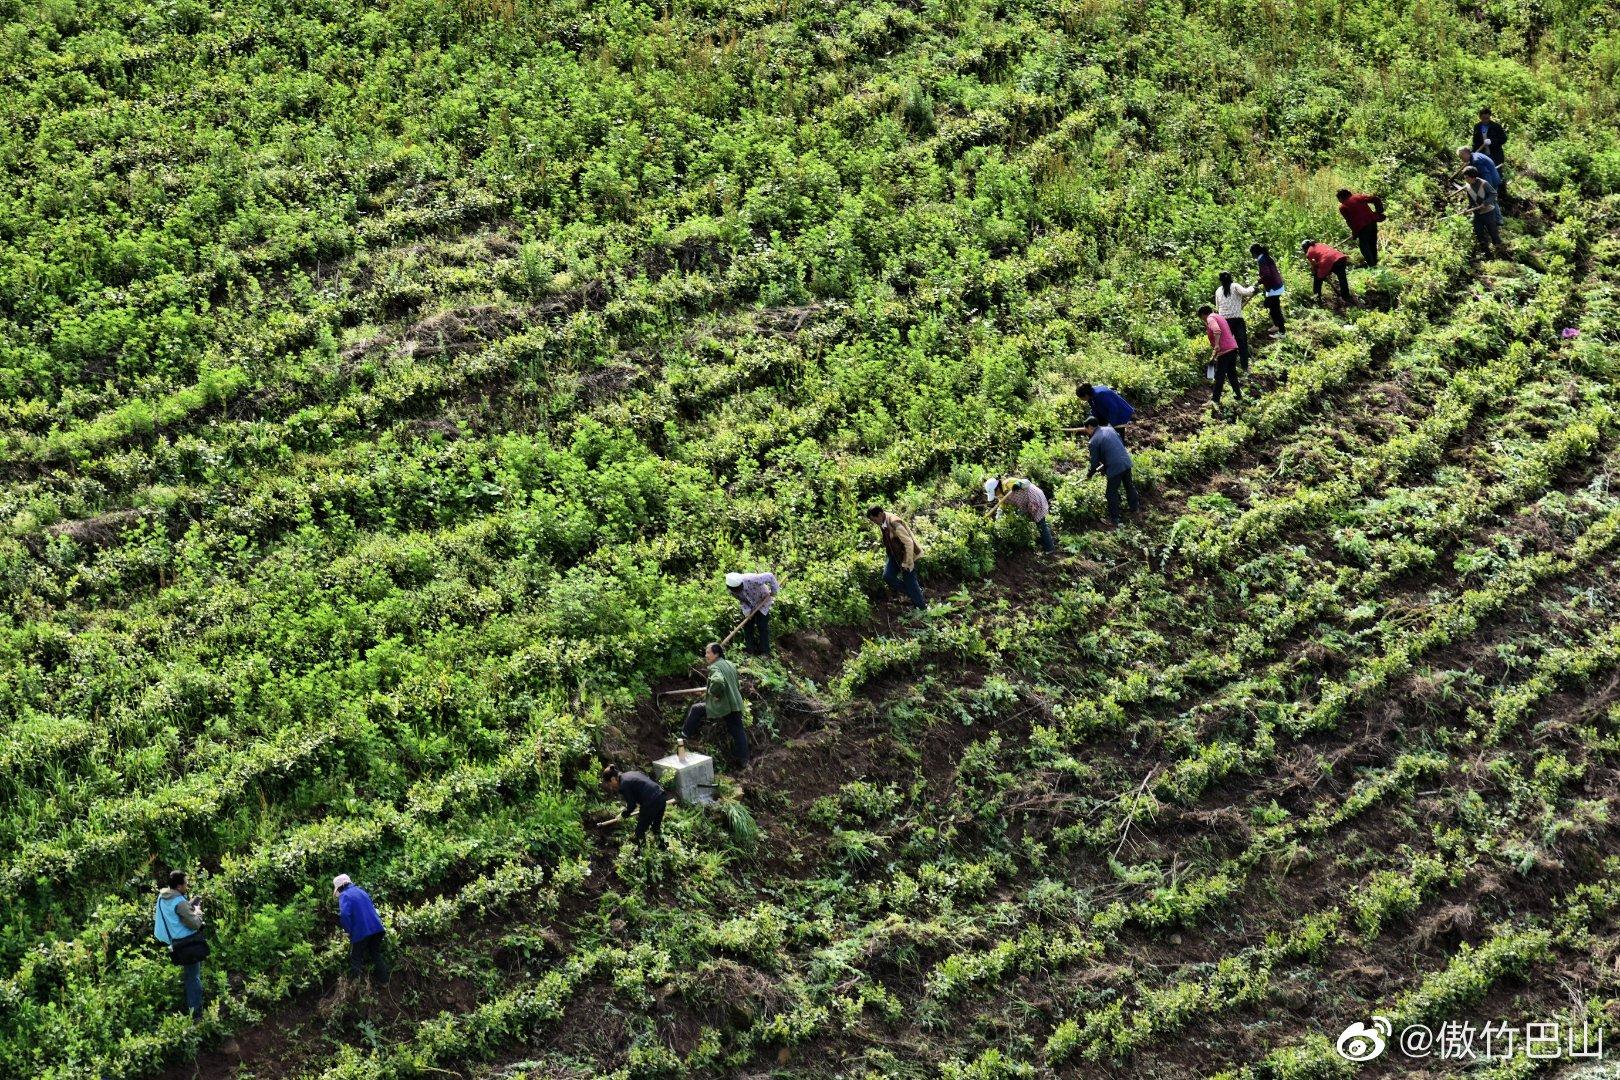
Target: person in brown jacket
[900,571]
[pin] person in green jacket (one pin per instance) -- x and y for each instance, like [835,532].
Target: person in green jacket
[722,700]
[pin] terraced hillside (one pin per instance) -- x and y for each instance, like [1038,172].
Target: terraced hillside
[384,391]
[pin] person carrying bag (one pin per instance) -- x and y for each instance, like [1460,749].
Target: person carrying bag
[178,922]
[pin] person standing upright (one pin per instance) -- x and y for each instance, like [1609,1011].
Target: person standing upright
[1230,296]
[1271,280]
[1223,350]
[1362,213]
[1489,138]
[1109,457]
[177,921]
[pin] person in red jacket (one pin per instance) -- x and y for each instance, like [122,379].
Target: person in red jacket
[1363,213]
[1327,262]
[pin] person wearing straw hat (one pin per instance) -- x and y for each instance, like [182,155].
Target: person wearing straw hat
[359,917]
[1023,496]
[756,593]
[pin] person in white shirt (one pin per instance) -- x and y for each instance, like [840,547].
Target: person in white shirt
[1229,301]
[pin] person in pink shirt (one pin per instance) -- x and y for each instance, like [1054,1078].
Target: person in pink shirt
[1224,349]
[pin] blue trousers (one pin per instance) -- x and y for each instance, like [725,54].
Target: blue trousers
[191,982]
[904,581]
[1048,543]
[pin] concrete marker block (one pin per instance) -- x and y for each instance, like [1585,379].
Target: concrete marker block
[692,780]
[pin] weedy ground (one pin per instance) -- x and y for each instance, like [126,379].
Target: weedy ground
[386,391]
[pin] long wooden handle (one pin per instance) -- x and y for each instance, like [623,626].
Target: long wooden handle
[738,628]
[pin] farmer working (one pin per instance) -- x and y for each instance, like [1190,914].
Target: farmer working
[642,796]
[902,550]
[1230,296]
[722,702]
[359,917]
[1271,280]
[1026,498]
[177,921]
[1483,165]
[1362,213]
[756,593]
[1485,210]
[1106,405]
[1327,262]
[1223,348]
[1109,457]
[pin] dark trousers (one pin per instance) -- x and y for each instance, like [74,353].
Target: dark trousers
[698,715]
[191,984]
[1240,331]
[1048,542]
[368,952]
[1274,305]
[904,581]
[1341,270]
[650,818]
[1111,493]
[1226,372]
[1488,229]
[757,634]
[1368,240]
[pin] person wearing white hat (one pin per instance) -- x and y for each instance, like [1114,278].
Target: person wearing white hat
[1025,497]
[359,917]
[756,593]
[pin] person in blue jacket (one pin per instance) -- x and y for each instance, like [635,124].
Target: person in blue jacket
[1109,457]
[1484,165]
[177,921]
[359,917]
[1108,406]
